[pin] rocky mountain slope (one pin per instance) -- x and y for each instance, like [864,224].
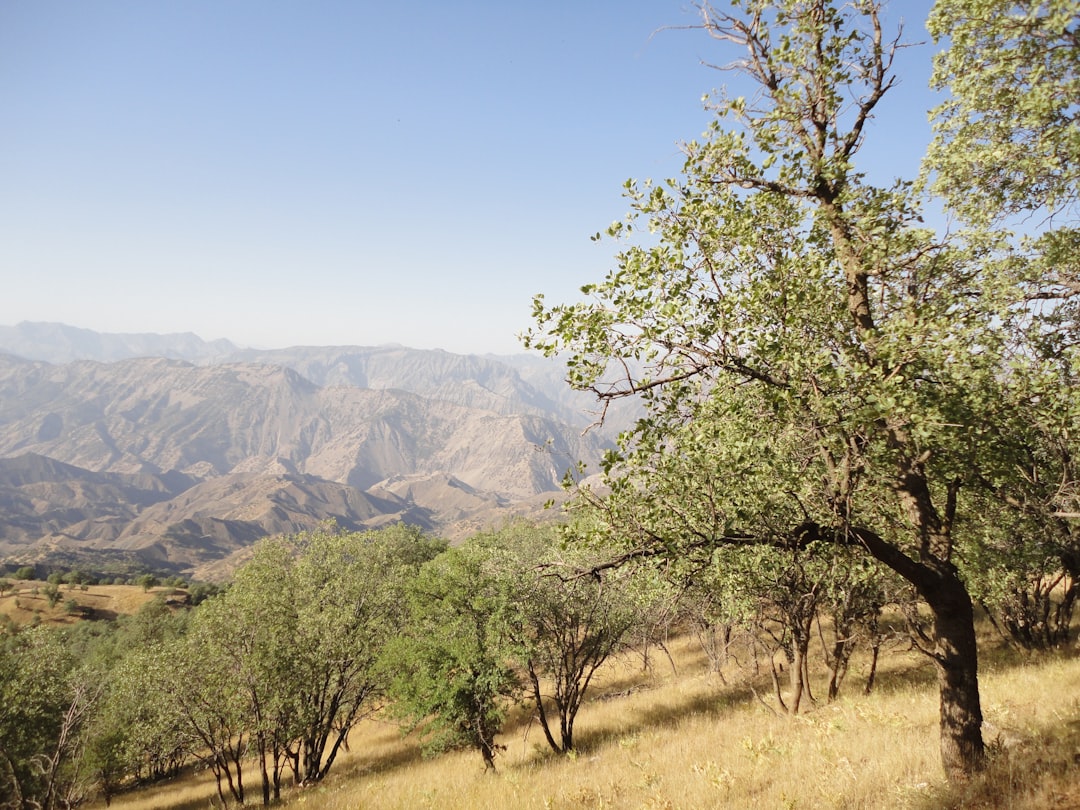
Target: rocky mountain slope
[181,466]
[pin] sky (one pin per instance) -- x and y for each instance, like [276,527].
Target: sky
[346,171]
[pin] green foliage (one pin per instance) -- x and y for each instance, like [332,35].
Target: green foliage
[286,655]
[155,623]
[24,573]
[566,619]
[45,701]
[137,732]
[73,577]
[351,591]
[816,365]
[52,594]
[200,591]
[451,670]
[1008,137]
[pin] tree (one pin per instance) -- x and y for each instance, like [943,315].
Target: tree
[202,692]
[24,573]
[287,654]
[817,366]
[1007,146]
[351,601]
[52,594]
[1007,139]
[564,625]
[73,577]
[452,672]
[137,733]
[45,703]
[249,631]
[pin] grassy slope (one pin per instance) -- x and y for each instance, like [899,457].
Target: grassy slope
[106,601]
[683,739]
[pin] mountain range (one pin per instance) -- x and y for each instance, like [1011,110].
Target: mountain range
[170,453]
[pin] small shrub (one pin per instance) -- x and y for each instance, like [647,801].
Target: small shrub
[52,594]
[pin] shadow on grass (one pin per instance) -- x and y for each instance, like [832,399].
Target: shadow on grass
[198,803]
[710,705]
[713,705]
[406,752]
[919,675]
[995,655]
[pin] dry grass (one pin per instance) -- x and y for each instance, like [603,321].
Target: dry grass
[22,604]
[667,739]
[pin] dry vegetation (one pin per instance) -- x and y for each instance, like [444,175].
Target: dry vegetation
[677,737]
[26,603]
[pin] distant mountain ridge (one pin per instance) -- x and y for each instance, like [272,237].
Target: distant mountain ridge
[253,443]
[505,383]
[60,343]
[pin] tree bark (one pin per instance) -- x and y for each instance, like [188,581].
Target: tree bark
[954,650]
[955,655]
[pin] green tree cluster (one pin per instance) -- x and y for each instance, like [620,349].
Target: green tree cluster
[283,663]
[510,613]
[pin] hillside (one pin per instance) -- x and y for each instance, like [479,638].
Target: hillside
[25,603]
[678,736]
[180,465]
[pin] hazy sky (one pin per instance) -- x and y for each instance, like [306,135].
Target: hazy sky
[320,172]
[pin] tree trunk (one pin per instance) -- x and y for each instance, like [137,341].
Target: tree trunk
[540,711]
[954,650]
[263,772]
[487,751]
[956,657]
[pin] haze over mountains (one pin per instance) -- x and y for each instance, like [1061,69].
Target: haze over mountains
[172,453]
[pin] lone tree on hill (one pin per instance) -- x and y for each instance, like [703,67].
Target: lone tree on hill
[817,366]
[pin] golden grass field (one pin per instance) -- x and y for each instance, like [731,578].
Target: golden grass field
[107,601]
[678,737]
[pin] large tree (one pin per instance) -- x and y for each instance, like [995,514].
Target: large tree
[817,366]
[1007,154]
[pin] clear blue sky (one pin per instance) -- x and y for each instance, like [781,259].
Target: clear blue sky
[332,172]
